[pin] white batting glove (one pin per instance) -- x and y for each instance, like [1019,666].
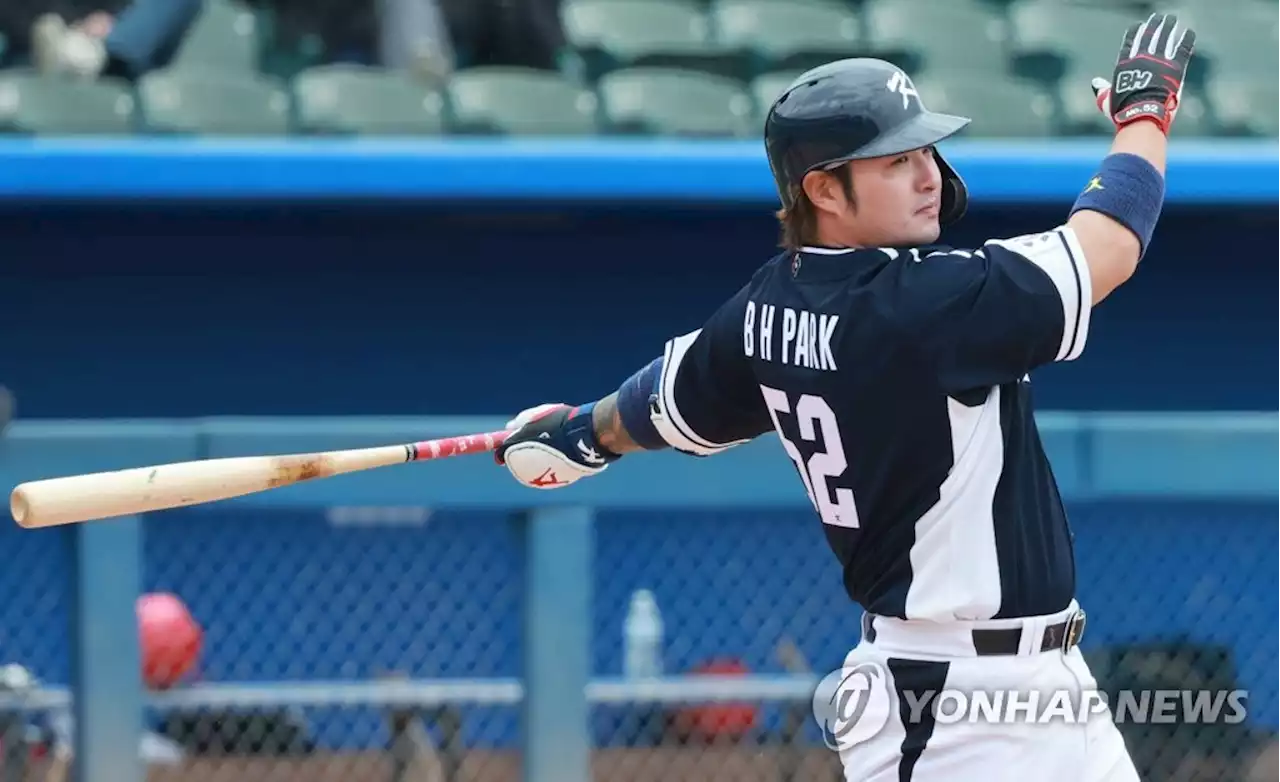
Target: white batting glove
[553,446]
[525,416]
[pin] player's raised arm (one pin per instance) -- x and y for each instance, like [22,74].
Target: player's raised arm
[991,315]
[699,397]
[1115,215]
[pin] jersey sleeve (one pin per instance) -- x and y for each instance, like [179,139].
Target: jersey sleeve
[707,399]
[991,315]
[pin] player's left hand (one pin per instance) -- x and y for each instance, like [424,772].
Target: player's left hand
[552,446]
[1149,73]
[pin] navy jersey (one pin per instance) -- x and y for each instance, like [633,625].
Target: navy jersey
[897,382]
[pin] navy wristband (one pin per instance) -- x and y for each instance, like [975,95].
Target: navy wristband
[578,426]
[633,406]
[1129,190]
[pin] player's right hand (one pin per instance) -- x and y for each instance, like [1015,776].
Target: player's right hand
[1152,66]
[552,446]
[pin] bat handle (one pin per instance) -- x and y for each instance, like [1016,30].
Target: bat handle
[453,446]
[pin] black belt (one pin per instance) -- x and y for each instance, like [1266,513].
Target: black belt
[1064,635]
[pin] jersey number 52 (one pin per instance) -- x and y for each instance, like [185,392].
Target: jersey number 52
[813,414]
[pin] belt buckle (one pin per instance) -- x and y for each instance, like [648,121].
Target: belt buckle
[1074,631]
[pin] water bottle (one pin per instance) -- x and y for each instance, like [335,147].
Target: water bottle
[642,636]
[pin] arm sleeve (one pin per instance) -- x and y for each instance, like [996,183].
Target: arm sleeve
[707,399]
[991,315]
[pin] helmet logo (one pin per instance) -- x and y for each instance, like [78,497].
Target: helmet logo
[900,83]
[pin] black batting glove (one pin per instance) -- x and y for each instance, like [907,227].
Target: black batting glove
[1150,71]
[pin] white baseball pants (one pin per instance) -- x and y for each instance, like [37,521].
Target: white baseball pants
[942,713]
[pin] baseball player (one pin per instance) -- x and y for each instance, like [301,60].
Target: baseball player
[894,372]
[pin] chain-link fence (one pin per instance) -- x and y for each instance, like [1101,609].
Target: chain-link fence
[739,594]
[386,644]
[333,627]
[1182,598]
[35,641]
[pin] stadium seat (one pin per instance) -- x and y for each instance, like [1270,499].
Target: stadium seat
[1239,37]
[42,105]
[766,88]
[1244,107]
[928,35]
[999,109]
[676,102]
[224,36]
[1080,114]
[1050,38]
[520,101]
[205,102]
[1195,118]
[284,57]
[362,100]
[610,34]
[787,34]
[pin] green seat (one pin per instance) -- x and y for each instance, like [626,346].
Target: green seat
[676,102]
[1232,37]
[213,103]
[934,35]
[610,34]
[788,34]
[361,100]
[1011,108]
[285,57]
[1244,107]
[1080,115]
[225,36]
[767,87]
[51,106]
[1195,118]
[520,101]
[1050,38]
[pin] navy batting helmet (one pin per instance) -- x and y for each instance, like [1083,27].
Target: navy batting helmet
[852,109]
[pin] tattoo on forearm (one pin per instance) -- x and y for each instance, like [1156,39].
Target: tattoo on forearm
[607,423]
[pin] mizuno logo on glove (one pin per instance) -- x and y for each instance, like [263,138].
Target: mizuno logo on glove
[548,479]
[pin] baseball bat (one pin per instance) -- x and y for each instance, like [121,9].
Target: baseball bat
[101,495]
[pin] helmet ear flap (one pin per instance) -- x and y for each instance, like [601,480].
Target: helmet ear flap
[955,195]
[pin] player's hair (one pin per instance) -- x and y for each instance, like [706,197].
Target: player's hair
[799,223]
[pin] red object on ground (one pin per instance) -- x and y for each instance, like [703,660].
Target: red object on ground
[170,639]
[722,720]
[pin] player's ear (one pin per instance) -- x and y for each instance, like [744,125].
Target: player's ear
[825,191]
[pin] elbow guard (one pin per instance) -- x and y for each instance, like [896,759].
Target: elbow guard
[634,397]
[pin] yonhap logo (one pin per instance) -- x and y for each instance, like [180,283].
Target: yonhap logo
[852,704]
